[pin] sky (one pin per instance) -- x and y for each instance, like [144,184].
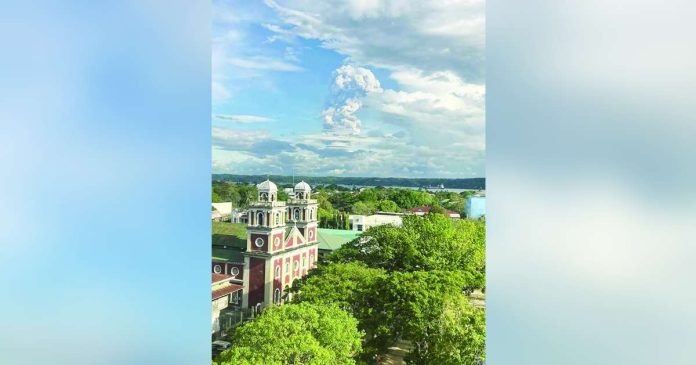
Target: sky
[349,88]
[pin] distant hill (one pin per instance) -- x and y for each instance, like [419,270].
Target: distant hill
[475,183]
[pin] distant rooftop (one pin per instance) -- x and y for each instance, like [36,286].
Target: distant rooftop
[229,234]
[333,239]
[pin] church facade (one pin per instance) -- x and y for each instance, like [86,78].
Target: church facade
[281,243]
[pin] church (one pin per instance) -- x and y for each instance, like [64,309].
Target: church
[281,245]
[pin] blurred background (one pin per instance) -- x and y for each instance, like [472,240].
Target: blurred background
[105,182]
[590,127]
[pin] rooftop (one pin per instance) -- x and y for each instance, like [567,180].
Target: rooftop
[333,239]
[230,234]
[226,290]
[220,277]
[228,254]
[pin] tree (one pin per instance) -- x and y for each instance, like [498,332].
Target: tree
[460,337]
[432,242]
[216,198]
[363,208]
[387,206]
[301,333]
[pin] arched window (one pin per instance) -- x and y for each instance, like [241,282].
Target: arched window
[296,265]
[311,260]
[297,214]
[277,272]
[286,292]
[263,197]
[217,269]
[276,296]
[277,219]
[259,219]
[304,262]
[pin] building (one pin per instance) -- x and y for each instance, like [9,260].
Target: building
[362,223]
[475,207]
[421,211]
[279,245]
[224,208]
[238,216]
[225,293]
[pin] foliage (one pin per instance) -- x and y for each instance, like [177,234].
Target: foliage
[239,194]
[459,338]
[387,206]
[363,208]
[432,242]
[301,333]
[350,286]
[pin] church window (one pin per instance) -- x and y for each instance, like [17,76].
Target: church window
[277,219]
[276,296]
[277,272]
[217,269]
[296,265]
[297,214]
[234,271]
[259,220]
[304,263]
[311,260]
[287,266]
[259,242]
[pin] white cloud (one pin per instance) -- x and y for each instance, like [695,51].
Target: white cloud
[392,34]
[240,118]
[350,84]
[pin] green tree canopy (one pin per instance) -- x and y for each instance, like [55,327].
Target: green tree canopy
[387,206]
[363,208]
[432,242]
[296,334]
[429,309]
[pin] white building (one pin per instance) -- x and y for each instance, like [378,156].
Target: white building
[362,223]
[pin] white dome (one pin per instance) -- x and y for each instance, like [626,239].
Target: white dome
[267,186]
[303,186]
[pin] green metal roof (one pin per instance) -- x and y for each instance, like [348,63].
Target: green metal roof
[227,254]
[333,239]
[229,234]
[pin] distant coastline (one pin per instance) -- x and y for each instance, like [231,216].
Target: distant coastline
[425,183]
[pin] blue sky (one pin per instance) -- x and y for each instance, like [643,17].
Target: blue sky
[349,88]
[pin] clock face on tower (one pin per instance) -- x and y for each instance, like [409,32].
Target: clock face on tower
[259,242]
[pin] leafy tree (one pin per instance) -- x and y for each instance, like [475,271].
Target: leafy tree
[363,208]
[459,338]
[282,195]
[438,210]
[216,198]
[432,242]
[387,206]
[296,334]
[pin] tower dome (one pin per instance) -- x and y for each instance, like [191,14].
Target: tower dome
[267,186]
[303,187]
[268,191]
[302,190]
